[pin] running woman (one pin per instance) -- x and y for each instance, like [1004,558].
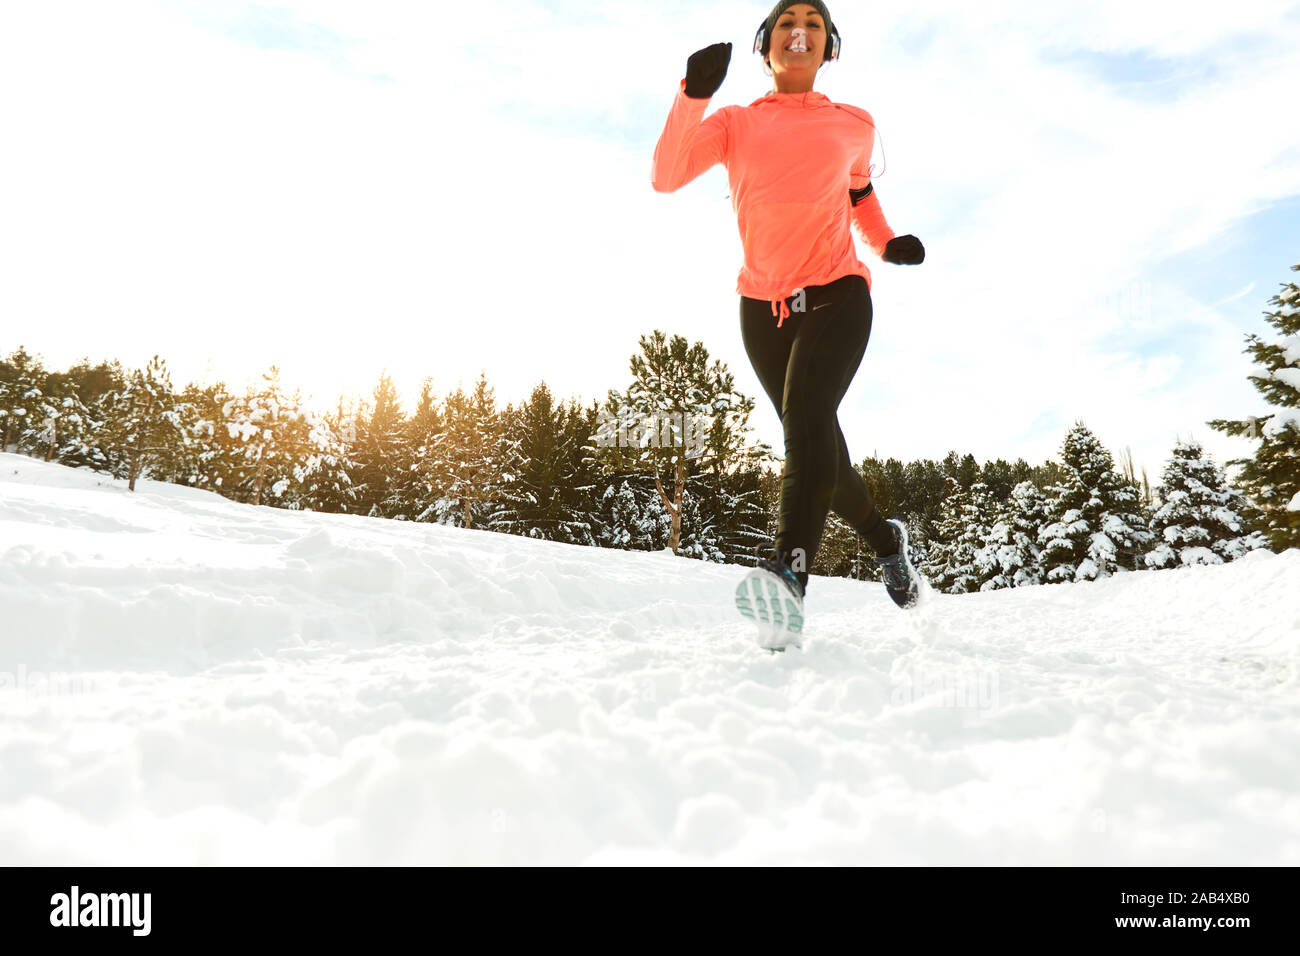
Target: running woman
[800,176]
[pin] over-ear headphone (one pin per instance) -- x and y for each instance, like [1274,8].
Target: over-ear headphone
[760,38]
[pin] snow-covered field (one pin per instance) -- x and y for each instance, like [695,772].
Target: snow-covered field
[188,680]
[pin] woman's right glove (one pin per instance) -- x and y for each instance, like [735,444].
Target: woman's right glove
[706,69]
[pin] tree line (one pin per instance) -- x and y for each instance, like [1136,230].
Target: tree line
[667,462]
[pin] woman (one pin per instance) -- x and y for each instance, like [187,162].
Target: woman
[799,169]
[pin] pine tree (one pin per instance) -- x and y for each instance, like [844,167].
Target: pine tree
[22,389]
[219,460]
[143,433]
[1095,526]
[679,415]
[581,494]
[417,484]
[379,453]
[951,568]
[322,477]
[469,461]
[271,433]
[181,462]
[541,471]
[531,504]
[1271,478]
[60,428]
[79,398]
[1009,556]
[921,495]
[962,468]
[725,521]
[701,537]
[1199,520]
[1000,477]
[634,519]
[89,382]
[964,529]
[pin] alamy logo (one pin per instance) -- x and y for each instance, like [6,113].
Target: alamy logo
[101,909]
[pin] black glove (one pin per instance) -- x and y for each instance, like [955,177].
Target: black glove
[904,251]
[706,69]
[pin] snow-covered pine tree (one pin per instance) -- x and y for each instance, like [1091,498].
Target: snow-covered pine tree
[738,508]
[22,387]
[548,472]
[80,415]
[143,433]
[923,489]
[1009,556]
[1200,517]
[725,478]
[321,476]
[1001,476]
[581,492]
[181,462]
[270,429]
[679,415]
[79,436]
[89,382]
[38,433]
[701,537]
[975,520]
[1271,478]
[417,482]
[60,428]
[531,504]
[380,452]
[1095,525]
[219,456]
[963,469]
[634,519]
[952,557]
[469,462]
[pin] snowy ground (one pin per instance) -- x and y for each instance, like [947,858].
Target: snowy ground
[187,680]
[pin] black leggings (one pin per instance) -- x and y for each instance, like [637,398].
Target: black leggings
[805,366]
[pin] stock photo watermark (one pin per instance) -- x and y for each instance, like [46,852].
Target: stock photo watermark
[633,429]
[1131,304]
[38,683]
[968,689]
[79,908]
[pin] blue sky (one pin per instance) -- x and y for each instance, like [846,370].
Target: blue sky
[1107,192]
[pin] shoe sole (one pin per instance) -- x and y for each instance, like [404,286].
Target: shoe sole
[913,592]
[764,598]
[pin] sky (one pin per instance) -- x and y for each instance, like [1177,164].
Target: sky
[1108,194]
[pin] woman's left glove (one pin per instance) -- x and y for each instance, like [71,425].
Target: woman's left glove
[904,250]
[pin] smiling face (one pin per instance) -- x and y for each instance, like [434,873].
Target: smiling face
[781,58]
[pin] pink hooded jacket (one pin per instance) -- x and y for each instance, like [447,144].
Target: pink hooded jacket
[791,159]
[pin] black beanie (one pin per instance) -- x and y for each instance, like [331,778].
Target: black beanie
[780,8]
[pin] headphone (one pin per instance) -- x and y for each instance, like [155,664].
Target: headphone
[760,38]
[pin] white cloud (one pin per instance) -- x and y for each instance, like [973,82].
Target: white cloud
[440,192]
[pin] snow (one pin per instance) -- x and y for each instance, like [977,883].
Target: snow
[1278,422]
[1294,504]
[1291,349]
[185,680]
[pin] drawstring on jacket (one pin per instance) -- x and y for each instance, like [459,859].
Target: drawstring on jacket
[783,314]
